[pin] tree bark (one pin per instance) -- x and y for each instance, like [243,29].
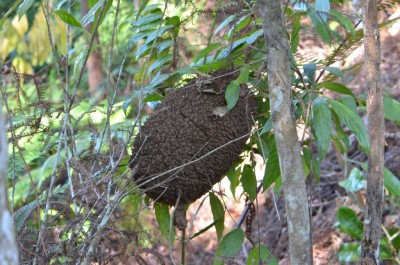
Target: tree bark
[8,244]
[93,64]
[376,129]
[284,124]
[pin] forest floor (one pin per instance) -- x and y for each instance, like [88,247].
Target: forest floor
[326,196]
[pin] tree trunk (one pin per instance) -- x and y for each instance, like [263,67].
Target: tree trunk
[284,124]
[93,64]
[8,244]
[376,130]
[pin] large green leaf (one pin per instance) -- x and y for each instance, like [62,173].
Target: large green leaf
[272,169]
[295,34]
[349,102]
[232,94]
[322,125]
[142,7]
[349,252]
[244,74]
[68,18]
[321,27]
[249,182]
[335,71]
[229,246]
[349,222]
[309,71]
[218,215]
[160,62]
[355,182]
[262,254]
[24,6]
[224,23]
[353,121]
[233,176]
[344,21]
[90,15]
[391,108]
[147,19]
[392,183]
[336,87]
[164,221]
[6,15]
[206,51]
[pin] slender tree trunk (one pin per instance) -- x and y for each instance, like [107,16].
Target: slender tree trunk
[284,124]
[8,244]
[376,129]
[93,64]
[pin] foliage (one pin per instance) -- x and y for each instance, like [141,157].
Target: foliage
[350,223]
[68,178]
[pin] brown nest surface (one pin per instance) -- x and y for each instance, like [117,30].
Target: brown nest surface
[190,141]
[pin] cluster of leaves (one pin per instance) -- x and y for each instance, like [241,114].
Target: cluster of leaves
[349,222]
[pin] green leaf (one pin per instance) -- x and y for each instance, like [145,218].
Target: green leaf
[295,33]
[344,21]
[249,182]
[158,79]
[353,121]
[22,214]
[108,4]
[153,97]
[6,15]
[349,102]
[79,61]
[89,17]
[164,221]
[322,29]
[336,87]
[232,94]
[147,19]
[349,222]
[164,45]
[239,25]
[23,7]
[160,62]
[272,169]
[391,109]
[309,71]
[322,125]
[218,215]
[315,168]
[349,252]
[233,176]
[335,71]
[392,183]
[142,51]
[355,182]
[205,229]
[157,33]
[230,245]
[224,23]
[142,7]
[267,127]
[206,51]
[322,7]
[244,74]
[68,18]
[254,36]
[262,254]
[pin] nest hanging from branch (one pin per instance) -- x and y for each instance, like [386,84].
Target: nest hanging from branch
[191,140]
